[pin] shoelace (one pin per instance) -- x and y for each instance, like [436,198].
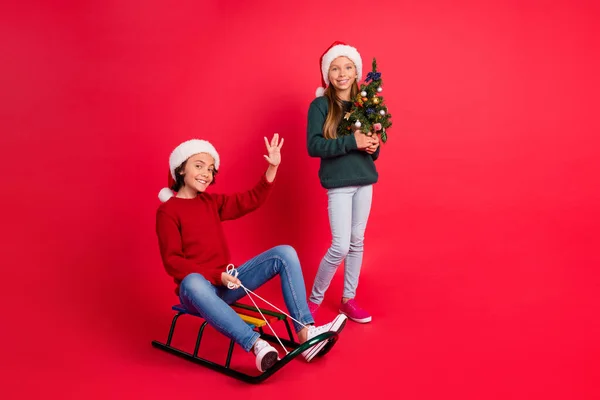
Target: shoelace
[320,329]
[234,272]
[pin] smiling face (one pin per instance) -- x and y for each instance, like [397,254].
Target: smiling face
[198,172]
[342,74]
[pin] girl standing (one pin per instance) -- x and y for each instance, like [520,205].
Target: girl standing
[347,171]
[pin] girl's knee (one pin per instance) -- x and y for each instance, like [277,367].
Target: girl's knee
[357,245]
[287,252]
[339,250]
[357,239]
[194,282]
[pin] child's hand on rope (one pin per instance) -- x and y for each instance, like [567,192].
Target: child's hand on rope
[227,278]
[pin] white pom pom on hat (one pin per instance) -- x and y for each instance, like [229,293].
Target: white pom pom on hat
[337,49]
[181,153]
[165,194]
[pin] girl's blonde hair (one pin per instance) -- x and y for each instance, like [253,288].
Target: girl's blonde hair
[334,110]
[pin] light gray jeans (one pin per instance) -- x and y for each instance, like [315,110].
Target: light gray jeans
[349,209]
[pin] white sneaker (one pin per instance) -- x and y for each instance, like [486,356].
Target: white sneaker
[266,355]
[334,326]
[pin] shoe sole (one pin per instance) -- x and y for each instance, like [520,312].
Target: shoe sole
[268,359]
[359,320]
[338,325]
[329,345]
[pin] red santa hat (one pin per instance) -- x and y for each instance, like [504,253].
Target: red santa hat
[337,49]
[181,153]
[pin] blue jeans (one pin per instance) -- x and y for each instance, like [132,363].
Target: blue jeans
[212,302]
[349,209]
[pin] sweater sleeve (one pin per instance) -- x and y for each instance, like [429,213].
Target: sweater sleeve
[171,249]
[317,145]
[239,204]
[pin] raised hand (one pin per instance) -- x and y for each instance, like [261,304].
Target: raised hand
[274,150]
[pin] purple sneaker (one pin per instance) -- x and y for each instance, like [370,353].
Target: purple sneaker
[313,307]
[354,312]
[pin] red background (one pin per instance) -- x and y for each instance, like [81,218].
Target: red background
[481,254]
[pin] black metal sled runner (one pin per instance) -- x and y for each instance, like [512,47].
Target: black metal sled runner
[249,315]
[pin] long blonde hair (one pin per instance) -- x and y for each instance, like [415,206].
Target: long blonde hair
[334,110]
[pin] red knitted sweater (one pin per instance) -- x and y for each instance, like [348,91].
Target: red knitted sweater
[190,235]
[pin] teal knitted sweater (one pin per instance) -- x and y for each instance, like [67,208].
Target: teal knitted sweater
[342,164]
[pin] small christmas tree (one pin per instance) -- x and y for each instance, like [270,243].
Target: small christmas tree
[368,113]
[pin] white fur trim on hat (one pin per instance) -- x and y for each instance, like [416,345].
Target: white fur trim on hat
[181,153]
[339,50]
[187,149]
